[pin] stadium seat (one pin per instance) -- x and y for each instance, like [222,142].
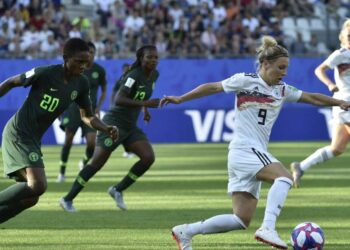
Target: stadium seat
[288,23]
[316,24]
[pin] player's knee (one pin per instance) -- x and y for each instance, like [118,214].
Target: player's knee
[30,201]
[39,187]
[147,160]
[285,179]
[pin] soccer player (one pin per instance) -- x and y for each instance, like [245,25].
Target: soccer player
[125,68]
[134,94]
[53,89]
[260,97]
[339,60]
[71,119]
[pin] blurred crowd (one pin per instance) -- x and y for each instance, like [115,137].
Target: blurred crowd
[180,29]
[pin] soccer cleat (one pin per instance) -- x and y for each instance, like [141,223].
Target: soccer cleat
[67,206]
[118,197]
[297,173]
[81,165]
[181,236]
[60,178]
[270,237]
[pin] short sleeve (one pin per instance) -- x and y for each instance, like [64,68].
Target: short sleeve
[31,76]
[83,99]
[102,80]
[291,93]
[334,59]
[128,82]
[233,83]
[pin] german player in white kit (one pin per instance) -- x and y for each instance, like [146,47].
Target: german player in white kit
[339,61]
[259,99]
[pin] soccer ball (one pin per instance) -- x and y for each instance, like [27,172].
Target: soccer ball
[307,236]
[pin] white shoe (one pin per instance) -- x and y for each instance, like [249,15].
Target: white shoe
[270,237]
[182,238]
[60,178]
[67,206]
[128,155]
[118,197]
[81,165]
[297,173]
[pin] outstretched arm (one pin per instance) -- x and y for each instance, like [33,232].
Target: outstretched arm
[8,84]
[202,90]
[320,72]
[323,100]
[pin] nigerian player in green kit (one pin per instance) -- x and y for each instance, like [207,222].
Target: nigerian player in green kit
[71,120]
[133,95]
[53,89]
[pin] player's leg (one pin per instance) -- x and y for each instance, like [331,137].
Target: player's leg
[30,184]
[281,181]
[127,153]
[337,147]
[89,150]
[68,140]
[143,149]
[99,158]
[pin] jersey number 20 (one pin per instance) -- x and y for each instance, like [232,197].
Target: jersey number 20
[49,103]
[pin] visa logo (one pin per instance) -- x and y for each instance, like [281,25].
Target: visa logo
[214,126]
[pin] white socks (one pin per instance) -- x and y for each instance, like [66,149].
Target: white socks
[217,224]
[320,155]
[275,200]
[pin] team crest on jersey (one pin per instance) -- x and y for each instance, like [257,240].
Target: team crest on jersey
[73,95]
[94,75]
[108,142]
[33,156]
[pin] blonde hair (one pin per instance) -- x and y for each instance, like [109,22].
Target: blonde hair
[346,25]
[270,50]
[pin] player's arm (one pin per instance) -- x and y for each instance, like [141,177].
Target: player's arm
[320,72]
[10,83]
[101,99]
[323,100]
[122,99]
[90,119]
[200,91]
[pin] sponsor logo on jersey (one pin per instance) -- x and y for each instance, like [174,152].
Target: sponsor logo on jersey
[129,82]
[33,156]
[74,95]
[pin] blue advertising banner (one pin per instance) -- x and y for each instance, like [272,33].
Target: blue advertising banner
[209,119]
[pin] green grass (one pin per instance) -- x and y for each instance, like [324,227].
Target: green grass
[187,183]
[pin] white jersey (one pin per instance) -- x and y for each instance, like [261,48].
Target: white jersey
[339,60]
[257,108]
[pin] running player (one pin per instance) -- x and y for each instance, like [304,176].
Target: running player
[134,94]
[71,119]
[53,89]
[260,97]
[339,60]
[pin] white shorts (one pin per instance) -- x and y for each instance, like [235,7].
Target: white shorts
[243,165]
[340,116]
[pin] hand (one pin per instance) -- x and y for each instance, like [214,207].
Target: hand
[146,115]
[344,105]
[97,112]
[113,132]
[333,88]
[152,103]
[170,99]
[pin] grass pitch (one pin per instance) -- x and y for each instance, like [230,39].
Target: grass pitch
[187,183]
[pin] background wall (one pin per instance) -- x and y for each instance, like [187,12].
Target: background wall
[206,120]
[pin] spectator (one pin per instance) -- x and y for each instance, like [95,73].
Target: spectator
[316,47]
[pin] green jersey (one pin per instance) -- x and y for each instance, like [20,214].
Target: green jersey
[137,86]
[49,96]
[97,77]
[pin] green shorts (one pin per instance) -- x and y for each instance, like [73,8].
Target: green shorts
[19,152]
[127,135]
[72,121]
